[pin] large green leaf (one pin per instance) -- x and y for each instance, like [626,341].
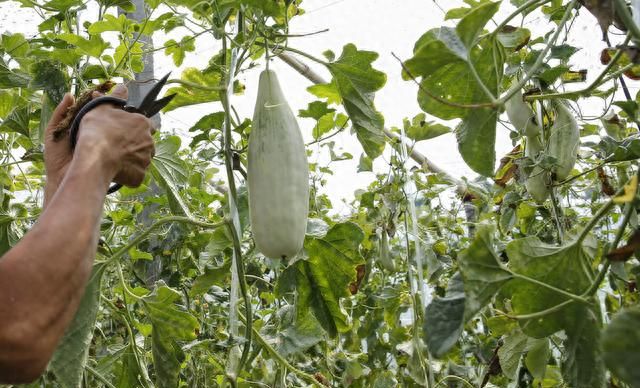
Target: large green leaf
[482,272]
[323,279]
[109,23]
[430,54]
[9,232]
[170,326]
[63,5]
[294,333]
[14,45]
[357,81]
[94,46]
[449,89]
[9,99]
[206,88]
[511,352]
[70,357]
[421,129]
[17,121]
[582,364]
[444,319]
[476,136]
[211,276]
[472,24]
[171,171]
[538,357]
[548,264]
[10,78]
[620,343]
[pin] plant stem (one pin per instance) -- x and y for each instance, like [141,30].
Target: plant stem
[234,226]
[330,135]
[518,11]
[135,40]
[601,79]
[453,377]
[557,214]
[572,178]
[125,287]
[579,93]
[100,377]
[540,60]
[596,218]
[132,339]
[309,56]
[605,268]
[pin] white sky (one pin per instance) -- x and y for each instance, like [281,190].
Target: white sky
[384,26]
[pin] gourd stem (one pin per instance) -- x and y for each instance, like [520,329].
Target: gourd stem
[601,79]
[309,56]
[518,11]
[540,60]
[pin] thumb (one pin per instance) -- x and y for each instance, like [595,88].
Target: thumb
[61,110]
[120,91]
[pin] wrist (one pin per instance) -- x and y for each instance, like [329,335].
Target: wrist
[94,157]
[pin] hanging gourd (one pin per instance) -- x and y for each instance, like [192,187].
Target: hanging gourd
[278,174]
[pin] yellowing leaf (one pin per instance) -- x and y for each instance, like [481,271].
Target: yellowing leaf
[630,190]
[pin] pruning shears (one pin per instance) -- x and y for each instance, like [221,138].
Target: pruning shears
[148,107]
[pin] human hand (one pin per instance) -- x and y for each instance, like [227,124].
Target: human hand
[57,154]
[122,139]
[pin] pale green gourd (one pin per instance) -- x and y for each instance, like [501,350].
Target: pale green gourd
[537,183]
[521,116]
[278,174]
[384,257]
[564,140]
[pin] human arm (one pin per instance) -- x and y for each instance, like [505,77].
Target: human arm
[42,278]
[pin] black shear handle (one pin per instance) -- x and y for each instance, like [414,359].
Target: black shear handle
[75,125]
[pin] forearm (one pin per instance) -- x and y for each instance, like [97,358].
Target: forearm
[46,272]
[50,188]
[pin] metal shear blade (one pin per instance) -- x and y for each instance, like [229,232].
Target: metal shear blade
[149,105]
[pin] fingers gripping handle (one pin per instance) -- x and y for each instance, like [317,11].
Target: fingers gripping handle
[75,125]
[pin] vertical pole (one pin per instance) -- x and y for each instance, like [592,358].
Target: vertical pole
[137,90]
[143,79]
